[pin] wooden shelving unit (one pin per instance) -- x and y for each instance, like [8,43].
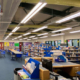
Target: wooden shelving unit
[73,54]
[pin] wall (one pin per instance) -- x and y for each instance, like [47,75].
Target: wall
[62,38]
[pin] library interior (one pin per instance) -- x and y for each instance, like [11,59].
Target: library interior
[39,40]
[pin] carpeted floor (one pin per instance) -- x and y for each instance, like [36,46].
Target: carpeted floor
[7,67]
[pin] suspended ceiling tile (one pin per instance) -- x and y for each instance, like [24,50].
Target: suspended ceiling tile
[3,26]
[57,7]
[9,9]
[75,9]
[20,14]
[2,32]
[1,37]
[72,24]
[40,17]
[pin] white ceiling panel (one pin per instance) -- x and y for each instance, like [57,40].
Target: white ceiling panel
[57,7]
[3,26]
[9,9]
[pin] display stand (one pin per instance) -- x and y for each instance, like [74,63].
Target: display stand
[35,73]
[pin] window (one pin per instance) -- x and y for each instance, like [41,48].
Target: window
[79,42]
[69,42]
[59,42]
[75,42]
[50,42]
[53,43]
[56,43]
[47,42]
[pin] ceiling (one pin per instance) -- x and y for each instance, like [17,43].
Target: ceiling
[9,10]
[14,12]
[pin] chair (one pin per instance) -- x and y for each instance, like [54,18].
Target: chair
[18,56]
[47,55]
[18,50]
[78,73]
[26,55]
[3,53]
[21,52]
[12,56]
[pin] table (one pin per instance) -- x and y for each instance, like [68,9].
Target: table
[44,73]
[16,53]
[68,67]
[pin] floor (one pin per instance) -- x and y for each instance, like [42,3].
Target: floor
[7,67]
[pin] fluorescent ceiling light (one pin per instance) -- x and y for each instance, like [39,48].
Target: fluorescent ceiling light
[26,34]
[6,37]
[31,36]
[58,34]
[15,29]
[24,38]
[10,34]
[69,17]
[42,34]
[75,31]
[19,36]
[15,38]
[28,39]
[36,9]
[61,30]
[44,37]
[20,39]
[35,38]
[41,28]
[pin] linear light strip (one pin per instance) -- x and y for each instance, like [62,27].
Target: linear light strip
[26,33]
[31,12]
[61,30]
[24,38]
[39,28]
[31,36]
[10,34]
[42,34]
[69,17]
[19,36]
[35,38]
[28,39]
[57,34]
[75,31]
[44,37]
[35,12]
[15,29]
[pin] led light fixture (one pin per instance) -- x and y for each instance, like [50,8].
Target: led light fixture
[44,37]
[31,36]
[69,17]
[28,39]
[26,34]
[6,37]
[35,10]
[20,39]
[24,38]
[61,30]
[10,34]
[41,28]
[15,29]
[15,38]
[42,34]
[75,31]
[58,34]
[35,38]
[19,36]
